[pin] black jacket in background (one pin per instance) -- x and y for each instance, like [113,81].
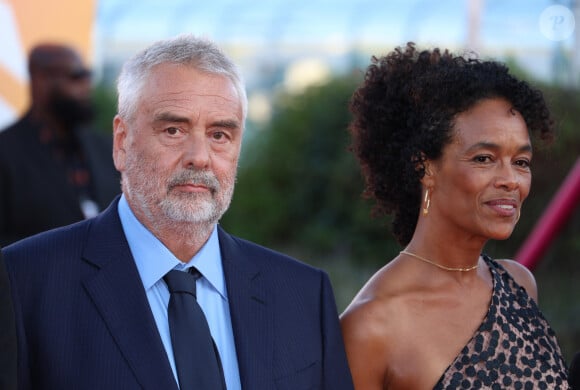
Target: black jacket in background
[35,194]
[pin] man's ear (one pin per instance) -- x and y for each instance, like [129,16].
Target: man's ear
[119,142]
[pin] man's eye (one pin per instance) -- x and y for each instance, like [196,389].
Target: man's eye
[172,130]
[219,136]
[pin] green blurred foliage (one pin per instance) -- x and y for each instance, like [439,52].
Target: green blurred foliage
[299,187]
[105,100]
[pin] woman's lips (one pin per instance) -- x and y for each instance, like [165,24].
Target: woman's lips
[504,207]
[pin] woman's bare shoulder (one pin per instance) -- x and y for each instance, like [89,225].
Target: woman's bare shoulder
[374,309]
[522,275]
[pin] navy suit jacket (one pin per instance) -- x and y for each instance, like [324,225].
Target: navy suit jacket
[7,334]
[84,321]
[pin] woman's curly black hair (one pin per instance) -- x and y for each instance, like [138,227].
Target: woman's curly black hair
[404,113]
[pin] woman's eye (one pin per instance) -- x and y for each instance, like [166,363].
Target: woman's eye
[482,159]
[523,163]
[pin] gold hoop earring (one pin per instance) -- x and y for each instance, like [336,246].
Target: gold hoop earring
[426,202]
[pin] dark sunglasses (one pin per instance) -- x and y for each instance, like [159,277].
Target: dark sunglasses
[79,74]
[72,75]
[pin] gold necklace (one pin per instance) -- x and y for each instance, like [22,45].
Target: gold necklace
[441,266]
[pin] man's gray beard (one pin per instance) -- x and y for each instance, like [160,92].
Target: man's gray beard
[197,208]
[193,208]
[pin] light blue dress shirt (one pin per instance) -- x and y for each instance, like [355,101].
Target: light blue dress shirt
[154,260]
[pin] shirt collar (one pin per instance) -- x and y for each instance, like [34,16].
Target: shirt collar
[154,260]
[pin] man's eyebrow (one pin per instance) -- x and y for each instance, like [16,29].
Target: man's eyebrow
[227,123]
[169,117]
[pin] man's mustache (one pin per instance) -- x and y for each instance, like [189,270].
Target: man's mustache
[205,178]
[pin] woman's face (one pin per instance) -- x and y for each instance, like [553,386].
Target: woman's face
[483,176]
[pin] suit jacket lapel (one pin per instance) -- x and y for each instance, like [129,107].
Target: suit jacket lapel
[118,293]
[252,318]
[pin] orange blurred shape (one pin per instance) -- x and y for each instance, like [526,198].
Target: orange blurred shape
[58,21]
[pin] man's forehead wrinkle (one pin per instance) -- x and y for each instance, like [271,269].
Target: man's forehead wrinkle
[182,95]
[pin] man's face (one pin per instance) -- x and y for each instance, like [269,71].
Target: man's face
[179,152]
[69,110]
[69,93]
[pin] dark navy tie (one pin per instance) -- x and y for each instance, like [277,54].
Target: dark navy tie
[196,357]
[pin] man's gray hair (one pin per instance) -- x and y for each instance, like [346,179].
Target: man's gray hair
[198,53]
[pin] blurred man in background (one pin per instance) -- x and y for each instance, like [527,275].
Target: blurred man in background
[53,169]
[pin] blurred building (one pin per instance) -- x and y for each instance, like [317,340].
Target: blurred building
[291,43]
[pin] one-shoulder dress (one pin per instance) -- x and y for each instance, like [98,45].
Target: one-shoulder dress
[514,347]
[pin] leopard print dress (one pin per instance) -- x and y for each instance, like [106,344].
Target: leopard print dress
[514,347]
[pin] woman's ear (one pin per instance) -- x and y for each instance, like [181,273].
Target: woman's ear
[428,179]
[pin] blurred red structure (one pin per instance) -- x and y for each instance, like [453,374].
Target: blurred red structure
[556,215]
